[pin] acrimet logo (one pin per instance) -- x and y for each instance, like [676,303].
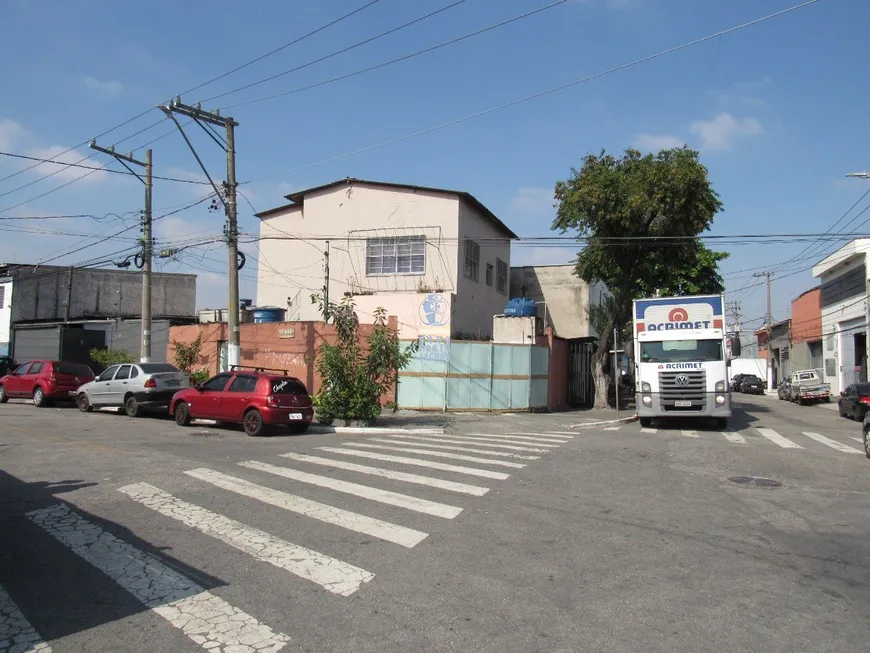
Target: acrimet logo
[678,315]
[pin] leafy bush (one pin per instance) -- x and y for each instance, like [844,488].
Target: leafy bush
[109,357]
[185,356]
[355,377]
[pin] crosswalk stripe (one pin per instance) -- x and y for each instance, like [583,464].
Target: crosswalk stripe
[689,434]
[16,631]
[567,435]
[418,462]
[852,437]
[522,439]
[203,617]
[496,444]
[366,492]
[733,437]
[611,428]
[776,438]
[839,446]
[646,430]
[407,537]
[430,443]
[440,483]
[438,454]
[333,575]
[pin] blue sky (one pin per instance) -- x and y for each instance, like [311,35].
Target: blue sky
[779,111]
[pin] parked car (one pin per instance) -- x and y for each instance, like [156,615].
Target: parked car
[807,386]
[751,385]
[735,382]
[137,387]
[783,390]
[854,401]
[865,428]
[256,399]
[45,381]
[6,365]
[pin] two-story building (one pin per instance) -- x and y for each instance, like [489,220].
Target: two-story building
[437,259]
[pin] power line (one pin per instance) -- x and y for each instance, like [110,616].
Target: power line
[549,91]
[98,168]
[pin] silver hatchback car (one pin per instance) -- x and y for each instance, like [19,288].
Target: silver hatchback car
[134,387]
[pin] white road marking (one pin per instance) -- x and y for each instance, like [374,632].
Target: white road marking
[776,438]
[372,493]
[550,441]
[333,575]
[425,442]
[689,434]
[833,444]
[497,444]
[407,537]
[646,430]
[371,455]
[438,454]
[610,428]
[568,435]
[733,437]
[851,437]
[453,486]
[203,617]
[16,633]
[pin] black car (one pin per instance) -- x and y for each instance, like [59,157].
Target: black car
[735,382]
[6,365]
[854,401]
[865,428]
[751,385]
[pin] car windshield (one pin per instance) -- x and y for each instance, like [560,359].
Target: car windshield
[74,369]
[681,351]
[156,368]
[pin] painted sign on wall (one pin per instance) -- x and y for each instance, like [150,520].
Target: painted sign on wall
[434,339]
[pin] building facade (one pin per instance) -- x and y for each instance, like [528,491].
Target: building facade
[843,300]
[806,331]
[437,259]
[5,314]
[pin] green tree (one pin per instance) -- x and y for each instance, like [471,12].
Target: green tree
[355,375]
[109,357]
[187,355]
[640,217]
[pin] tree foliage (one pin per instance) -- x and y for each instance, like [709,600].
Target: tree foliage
[187,355]
[640,217]
[355,375]
[109,357]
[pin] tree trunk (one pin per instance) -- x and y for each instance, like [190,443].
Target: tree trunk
[598,360]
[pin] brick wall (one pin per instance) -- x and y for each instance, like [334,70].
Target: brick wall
[806,317]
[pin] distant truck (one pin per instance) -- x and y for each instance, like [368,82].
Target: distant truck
[681,353]
[807,386]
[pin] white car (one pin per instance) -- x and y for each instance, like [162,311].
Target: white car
[135,387]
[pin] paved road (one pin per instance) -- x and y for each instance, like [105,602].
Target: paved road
[509,533]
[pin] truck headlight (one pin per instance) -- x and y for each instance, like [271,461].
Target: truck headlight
[720,399]
[645,387]
[720,386]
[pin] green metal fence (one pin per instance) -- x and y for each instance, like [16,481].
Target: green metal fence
[477,376]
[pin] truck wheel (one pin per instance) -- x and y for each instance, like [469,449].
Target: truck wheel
[645,422]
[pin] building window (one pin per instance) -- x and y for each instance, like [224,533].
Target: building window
[396,255]
[501,280]
[472,260]
[2,296]
[489,274]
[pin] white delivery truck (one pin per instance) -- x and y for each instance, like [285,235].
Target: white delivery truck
[681,354]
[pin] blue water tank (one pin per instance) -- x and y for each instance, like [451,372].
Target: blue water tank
[520,307]
[268,314]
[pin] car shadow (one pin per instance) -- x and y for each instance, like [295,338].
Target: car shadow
[58,591]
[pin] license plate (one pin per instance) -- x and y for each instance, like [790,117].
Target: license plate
[295,416]
[173,384]
[72,393]
[682,404]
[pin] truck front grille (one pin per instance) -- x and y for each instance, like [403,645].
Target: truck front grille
[672,391]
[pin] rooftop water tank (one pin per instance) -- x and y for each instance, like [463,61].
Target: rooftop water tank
[521,307]
[268,314]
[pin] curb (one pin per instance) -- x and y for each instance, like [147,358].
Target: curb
[621,420]
[369,430]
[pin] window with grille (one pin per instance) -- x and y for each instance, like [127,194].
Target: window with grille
[472,260]
[489,274]
[396,255]
[501,281]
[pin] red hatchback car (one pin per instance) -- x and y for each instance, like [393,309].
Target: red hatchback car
[45,381]
[255,398]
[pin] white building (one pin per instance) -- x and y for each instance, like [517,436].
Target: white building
[5,314]
[437,259]
[843,279]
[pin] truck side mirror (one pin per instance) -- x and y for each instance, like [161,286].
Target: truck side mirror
[734,343]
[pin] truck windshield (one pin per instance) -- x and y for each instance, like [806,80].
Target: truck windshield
[679,351]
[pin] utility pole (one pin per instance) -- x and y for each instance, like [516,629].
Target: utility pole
[147,241]
[231,231]
[769,324]
[616,371]
[326,283]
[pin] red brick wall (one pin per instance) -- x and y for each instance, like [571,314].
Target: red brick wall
[806,317]
[263,347]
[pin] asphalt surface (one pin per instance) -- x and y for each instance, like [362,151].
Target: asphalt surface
[121,534]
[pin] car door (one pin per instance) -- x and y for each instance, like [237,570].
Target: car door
[99,394]
[28,381]
[15,383]
[205,403]
[852,401]
[118,386]
[237,396]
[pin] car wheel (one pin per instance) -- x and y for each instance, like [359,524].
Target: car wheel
[182,414]
[39,398]
[3,396]
[131,407]
[253,423]
[867,442]
[84,404]
[645,422]
[297,429]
